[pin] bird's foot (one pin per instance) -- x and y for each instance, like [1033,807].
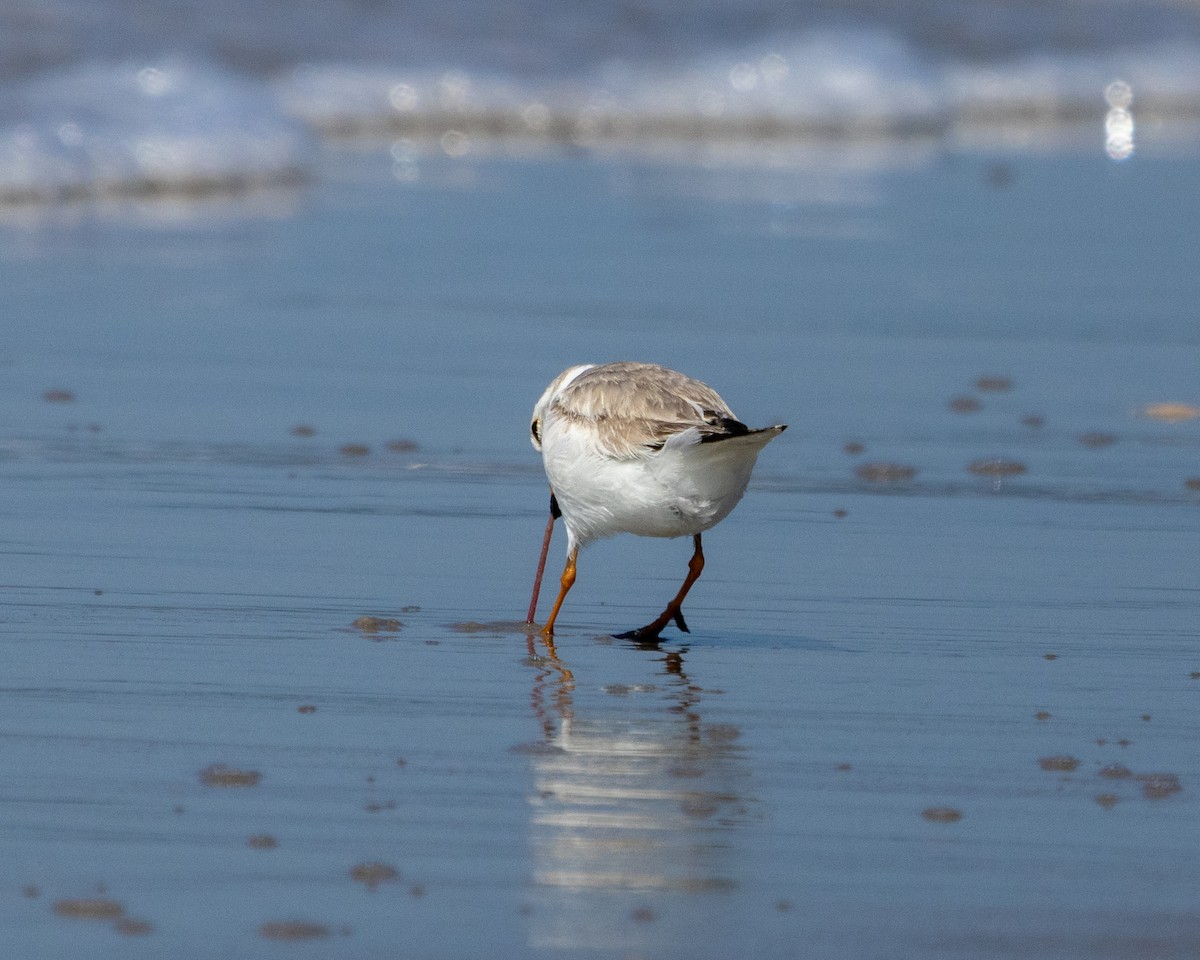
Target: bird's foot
[650,633]
[646,635]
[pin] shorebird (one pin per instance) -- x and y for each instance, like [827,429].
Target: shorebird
[637,448]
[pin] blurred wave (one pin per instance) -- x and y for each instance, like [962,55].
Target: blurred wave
[175,126]
[106,98]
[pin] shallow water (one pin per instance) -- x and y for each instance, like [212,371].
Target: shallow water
[862,750]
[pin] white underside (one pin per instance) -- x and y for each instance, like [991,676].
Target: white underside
[683,489]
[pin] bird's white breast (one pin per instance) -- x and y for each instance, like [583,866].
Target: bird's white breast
[684,488]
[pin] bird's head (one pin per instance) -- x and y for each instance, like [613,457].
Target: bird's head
[547,398]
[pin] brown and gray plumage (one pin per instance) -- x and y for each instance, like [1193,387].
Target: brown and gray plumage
[635,408]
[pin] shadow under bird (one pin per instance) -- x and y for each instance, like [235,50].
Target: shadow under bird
[637,448]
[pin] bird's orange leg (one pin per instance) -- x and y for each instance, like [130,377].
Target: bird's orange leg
[674,610]
[567,582]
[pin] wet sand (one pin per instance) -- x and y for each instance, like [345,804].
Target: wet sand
[270,517]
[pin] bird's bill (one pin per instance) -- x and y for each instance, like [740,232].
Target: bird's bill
[541,568]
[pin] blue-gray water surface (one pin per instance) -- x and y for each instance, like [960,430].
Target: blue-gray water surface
[270,519]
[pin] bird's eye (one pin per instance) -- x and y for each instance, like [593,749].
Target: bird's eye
[535,429]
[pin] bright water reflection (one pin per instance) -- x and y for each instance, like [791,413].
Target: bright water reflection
[641,800]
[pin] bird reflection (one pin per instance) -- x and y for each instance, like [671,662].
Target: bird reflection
[634,795]
[553,687]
